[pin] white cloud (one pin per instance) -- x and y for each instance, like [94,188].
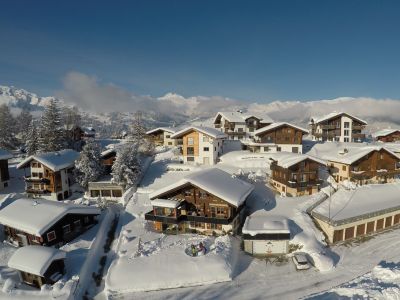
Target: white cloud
[89,94]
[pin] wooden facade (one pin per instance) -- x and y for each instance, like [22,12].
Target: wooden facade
[4,173]
[108,160]
[390,138]
[53,273]
[190,144]
[64,230]
[376,167]
[198,210]
[299,179]
[282,135]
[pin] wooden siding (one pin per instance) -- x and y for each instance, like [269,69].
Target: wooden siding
[282,135]
[393,137]
[195,135]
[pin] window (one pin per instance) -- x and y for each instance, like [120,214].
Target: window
[344,168]
[190,158]
[190,150]
[77,224]
[34,165]
[381,156]
[190,141]
[34,174]
[346,132]
[278,149]
[251,129]
[116,193]
[240,129]
[94,193]
[346,124]
[346,139]
[40,175]
[289,131]
[205,139]
[51,236]
[66,229]
[169,143]
[167,136]
[295,149]
[215,148]
[106,193]
[206,149]
[266,149]
[203,195]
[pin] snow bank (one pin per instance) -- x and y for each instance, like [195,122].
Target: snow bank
[163,264]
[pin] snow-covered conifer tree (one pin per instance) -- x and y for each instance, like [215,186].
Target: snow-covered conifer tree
[138,131]
[126,169]
[51,133]
[32,139]
[88,166]
[7,128]
[23,120]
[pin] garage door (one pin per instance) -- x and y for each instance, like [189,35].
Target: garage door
[269,247]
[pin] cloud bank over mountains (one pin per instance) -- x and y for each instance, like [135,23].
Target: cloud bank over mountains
[90,94]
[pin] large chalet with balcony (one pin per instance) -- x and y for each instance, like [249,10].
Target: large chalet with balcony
[51,174]
[295,174]
[277,137]
[209,201]
[362,165]
[4,173]
[238,125]
[45,222]
[339,127]
[201,145]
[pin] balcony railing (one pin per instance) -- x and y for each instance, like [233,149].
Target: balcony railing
[37,180]
[329,127]
[304,184]
[37,191]
[369,174]
[358,135]
[189,218]
[358,127]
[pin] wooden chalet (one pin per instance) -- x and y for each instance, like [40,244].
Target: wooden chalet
[339,127]
[161,136]
[107,159]
[295,174]
[370,164]
[45,222]
[38,265]
[51,174]
[278,137]
[4,173]
[208,201]
[387,135]
[238,125]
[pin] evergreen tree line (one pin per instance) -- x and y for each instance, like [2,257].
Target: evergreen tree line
[45,134]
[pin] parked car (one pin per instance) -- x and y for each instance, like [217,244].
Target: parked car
[300,261]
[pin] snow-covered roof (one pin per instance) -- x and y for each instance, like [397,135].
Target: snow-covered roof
[262,222]
[364,201]
[165,203]
[240,117]
[277,125]
[108,152]
[4,154]
[384,132]
[216,182]
[212,132]
[37,216]
[336,114]
[35,259]
[55,161]
[349,155]
[288,159]
[167,129]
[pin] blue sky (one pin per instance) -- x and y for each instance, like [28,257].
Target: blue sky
[248,50]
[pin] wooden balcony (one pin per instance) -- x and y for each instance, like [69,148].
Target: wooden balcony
[37,191]
[329,127]
[303,184]
[358,135]
[186,218]
[358,127]
[359,175]
[37,180]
